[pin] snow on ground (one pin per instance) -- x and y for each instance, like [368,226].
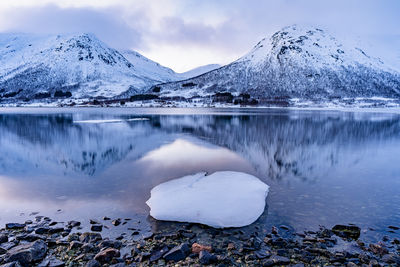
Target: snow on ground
[222,199]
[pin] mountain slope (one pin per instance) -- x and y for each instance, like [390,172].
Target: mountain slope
[150,69]
[198,71]
[82,64]
[297,62]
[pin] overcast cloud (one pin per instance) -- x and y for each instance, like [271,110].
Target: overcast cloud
[183,34]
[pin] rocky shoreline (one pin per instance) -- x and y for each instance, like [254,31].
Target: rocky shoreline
[44,242]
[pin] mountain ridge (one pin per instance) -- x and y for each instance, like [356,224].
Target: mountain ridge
[296,62]
[37,66]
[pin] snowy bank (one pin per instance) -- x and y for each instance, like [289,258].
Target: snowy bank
[222,199]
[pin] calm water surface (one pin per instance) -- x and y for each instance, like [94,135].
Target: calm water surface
[323,167]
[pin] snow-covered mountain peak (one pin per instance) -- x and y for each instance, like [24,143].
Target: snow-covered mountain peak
[79,63]
[308,45]
[298,62]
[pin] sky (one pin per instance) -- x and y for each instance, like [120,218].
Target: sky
[183,34]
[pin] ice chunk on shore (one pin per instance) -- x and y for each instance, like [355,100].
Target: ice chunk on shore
[222,199]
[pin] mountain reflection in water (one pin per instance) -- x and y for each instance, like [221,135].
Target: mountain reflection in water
[323,167]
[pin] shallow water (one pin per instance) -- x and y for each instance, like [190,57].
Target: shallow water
[323,167]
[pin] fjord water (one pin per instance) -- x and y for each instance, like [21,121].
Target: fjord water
[323,167]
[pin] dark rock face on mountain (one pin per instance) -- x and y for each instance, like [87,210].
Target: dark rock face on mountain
[304,63]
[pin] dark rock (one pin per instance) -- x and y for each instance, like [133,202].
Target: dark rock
[206,257]
[28,222]
[3,238]
[86,248]
[72,224]
[14,226]
[75,244]
[7,245]
[96,228]
[110,244]
[262,254]
[284,227]
[393,227]
[276,260]
[31,237]
[116,222]
[93,263]
[105,256]
[373,263]
[391,259]
[27,254]
[90,237]
[106,218]
[60,242]
[178,253]
[42,230]
[158,253]
[56,230]
[94,221]
[52,262]
[378,249]
[347,231]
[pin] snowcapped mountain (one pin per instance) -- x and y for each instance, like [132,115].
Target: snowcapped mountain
[35,66]
[297,62]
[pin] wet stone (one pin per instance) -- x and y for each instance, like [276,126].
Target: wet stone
[105,256]
[72,224]
[276,260]
[116,222]
[7,245]
[391,259]
[56,230]
[30,237]
[110,244]
[206,257]
[14,226]
[378,249]
[3,238]
[27,253]
[52,262]
[347,231]
[75,245]
[178,253]
[42,230]
[93,263]
[96,227]
[158,254]
[90,237]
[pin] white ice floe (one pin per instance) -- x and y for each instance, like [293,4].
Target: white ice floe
[111,121]
[222,199]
